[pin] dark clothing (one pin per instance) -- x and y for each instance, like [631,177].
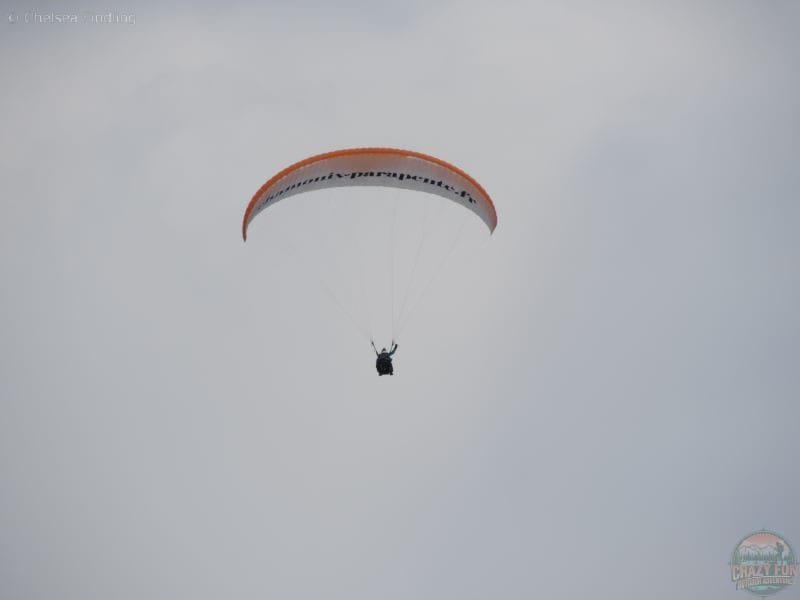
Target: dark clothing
[384,362]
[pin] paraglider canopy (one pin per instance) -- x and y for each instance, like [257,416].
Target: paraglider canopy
[383,167]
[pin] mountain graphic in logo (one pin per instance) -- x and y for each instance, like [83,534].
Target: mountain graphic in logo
[763,564]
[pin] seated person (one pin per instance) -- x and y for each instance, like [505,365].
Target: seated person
[384,361]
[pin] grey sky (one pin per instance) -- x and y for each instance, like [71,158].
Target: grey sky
[599,404]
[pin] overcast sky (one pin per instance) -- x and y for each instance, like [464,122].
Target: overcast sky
[599,403]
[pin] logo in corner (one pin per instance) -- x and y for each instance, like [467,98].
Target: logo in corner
[763,564]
